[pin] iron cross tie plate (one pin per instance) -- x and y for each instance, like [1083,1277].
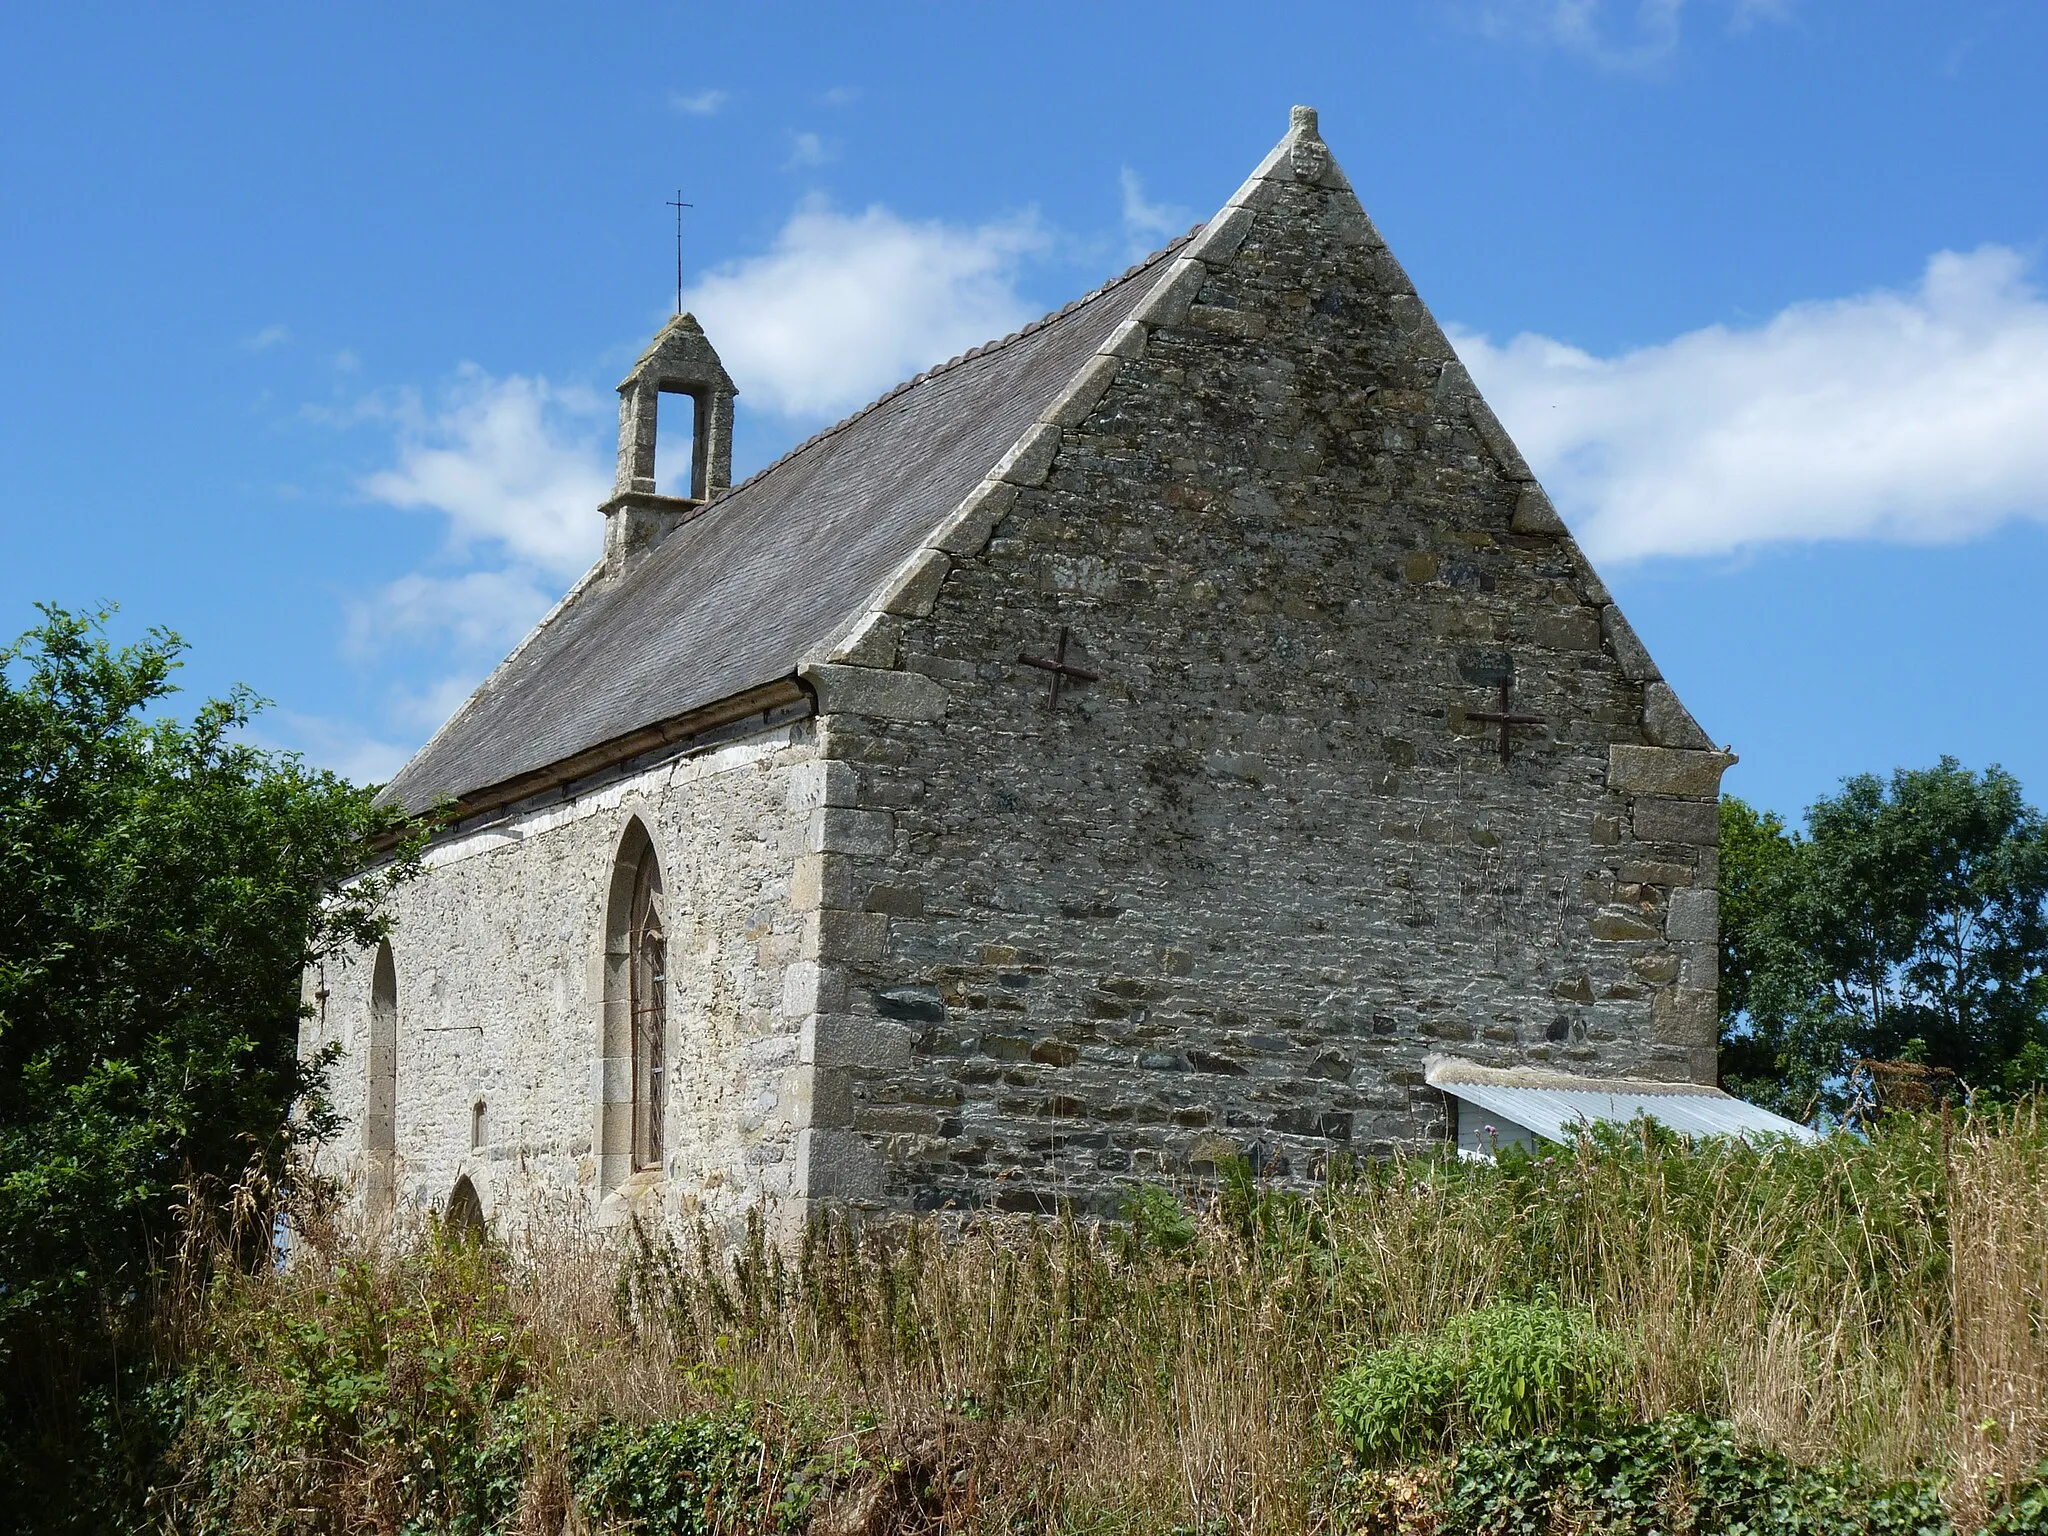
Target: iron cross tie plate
[1059,668]
[1504,718]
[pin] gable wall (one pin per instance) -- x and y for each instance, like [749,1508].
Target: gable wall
[499,952]
[1236,891]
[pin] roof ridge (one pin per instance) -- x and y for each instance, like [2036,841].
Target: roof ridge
[1032,328]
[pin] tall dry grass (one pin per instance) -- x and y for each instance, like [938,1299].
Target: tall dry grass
[1885,1302]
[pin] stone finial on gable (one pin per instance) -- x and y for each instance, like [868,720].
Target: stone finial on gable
[680,362]
[1307,155]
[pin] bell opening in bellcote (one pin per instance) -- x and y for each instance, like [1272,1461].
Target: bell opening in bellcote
[680,363]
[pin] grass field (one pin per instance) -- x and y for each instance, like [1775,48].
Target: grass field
[1881,1303]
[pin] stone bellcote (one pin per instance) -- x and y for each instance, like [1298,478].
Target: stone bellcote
[680,362]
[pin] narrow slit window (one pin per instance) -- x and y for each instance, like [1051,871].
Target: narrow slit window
[380,1111]
[477,1138]
[675,445]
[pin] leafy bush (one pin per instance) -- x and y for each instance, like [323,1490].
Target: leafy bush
[1509,1369]
[692,1476]
[1679,1473]
[393,1394]
[1397,1401]
[162,885]
[1527,1369]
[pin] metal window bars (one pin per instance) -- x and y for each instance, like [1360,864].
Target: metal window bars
[650,1042]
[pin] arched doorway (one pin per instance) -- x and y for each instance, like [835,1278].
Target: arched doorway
[380,1100]
[633,1133]
[464,1221]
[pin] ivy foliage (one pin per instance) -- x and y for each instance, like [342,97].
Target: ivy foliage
[696,1475]
[1678,1473]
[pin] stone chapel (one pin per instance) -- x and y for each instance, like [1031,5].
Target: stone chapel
[1182,730]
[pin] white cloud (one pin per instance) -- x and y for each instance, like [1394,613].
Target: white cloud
[807,149]
[840,96]
[270,336]
[516,468]
[476,612]
[512,461]
[1625,35]
[698,103]
[844,305]
[427,709]
[1148,225]
[1914,416]
[337,745]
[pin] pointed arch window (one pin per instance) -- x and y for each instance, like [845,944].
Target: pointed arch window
[648,971]
[634,1070]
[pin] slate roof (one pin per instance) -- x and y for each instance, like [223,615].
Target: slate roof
[777,566]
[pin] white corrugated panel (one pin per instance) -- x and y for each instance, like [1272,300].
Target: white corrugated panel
[1553,1112]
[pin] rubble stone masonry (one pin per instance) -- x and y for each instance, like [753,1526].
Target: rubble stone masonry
[1224,901]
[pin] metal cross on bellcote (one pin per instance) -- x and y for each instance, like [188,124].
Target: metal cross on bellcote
[679,205]
[1059,667]
[1504,718]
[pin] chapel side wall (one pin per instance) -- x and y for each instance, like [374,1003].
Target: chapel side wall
[499,953]
[1234,893]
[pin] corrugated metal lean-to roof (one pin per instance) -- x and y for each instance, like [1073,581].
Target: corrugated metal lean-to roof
[1501,1107]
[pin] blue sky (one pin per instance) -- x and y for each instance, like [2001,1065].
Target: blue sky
[311,318]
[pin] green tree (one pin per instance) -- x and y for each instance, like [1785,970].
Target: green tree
[1909,920]
[162,885]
